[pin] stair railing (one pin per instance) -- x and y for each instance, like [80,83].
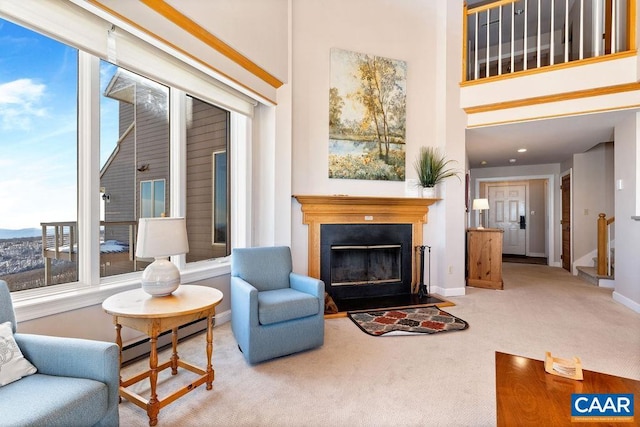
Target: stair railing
[604,245]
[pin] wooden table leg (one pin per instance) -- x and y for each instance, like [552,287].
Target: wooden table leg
[119,342]
[174,356]
[210,372]
[153,407]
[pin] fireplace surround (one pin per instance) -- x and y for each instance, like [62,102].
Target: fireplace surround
[319,210]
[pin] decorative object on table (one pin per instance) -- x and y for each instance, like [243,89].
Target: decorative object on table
[432,169]
[563,367]
[408,321]
[367,116]
[480,205]
[160,238]
[423,290]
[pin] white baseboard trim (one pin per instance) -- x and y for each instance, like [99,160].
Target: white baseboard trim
[448,292]
[222,318]
[607,283]
[629,303]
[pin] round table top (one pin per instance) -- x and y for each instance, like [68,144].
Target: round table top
[186,299]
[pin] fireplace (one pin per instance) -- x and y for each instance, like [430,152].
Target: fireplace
[401,215]
[365,260]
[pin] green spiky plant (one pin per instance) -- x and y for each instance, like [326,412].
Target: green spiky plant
[432,167]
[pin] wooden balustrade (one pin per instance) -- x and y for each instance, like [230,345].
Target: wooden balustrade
[507,36]
[604,246]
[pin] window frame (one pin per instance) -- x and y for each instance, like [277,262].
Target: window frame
[141,56]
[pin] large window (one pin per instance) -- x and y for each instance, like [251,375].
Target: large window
[134,162]
[207,128]
[38,165]
[41,85]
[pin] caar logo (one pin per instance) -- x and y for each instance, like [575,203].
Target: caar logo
[602,407]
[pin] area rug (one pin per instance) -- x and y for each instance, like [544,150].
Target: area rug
[408,321]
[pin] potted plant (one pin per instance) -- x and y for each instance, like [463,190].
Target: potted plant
[432,168]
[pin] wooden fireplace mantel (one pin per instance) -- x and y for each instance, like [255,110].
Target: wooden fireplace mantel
[342,209]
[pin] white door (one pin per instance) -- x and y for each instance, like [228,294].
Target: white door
[507,211]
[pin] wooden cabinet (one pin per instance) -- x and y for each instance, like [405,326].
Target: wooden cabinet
[484,258]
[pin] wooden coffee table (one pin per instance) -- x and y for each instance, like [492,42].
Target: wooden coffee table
[528,396]
[153,315]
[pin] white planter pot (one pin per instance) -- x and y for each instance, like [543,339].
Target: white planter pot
[430,192]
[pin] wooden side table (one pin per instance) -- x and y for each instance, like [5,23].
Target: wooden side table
[484,251]
[153,315]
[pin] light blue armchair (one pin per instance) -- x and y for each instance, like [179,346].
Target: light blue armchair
[76,383]
[274,312]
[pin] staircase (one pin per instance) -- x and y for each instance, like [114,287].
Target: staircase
[590,274]
[601,274]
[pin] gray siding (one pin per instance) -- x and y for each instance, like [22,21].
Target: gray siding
[207,133]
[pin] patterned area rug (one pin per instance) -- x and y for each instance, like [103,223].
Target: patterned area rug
[408,321]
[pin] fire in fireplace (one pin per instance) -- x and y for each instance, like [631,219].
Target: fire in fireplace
[366,260]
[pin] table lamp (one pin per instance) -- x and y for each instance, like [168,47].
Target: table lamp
[480,205]
[160,238]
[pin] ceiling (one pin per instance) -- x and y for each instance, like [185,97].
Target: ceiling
[546,141]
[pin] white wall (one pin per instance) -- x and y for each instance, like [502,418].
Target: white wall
[427,35]
[592,187]
[627,270]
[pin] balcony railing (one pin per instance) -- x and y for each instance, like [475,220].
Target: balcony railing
[117,246]
[511,36]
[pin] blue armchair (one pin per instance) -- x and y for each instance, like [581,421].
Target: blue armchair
[274,312]
[76,383]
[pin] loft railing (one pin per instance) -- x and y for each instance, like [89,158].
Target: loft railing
[604,245]
[511,36]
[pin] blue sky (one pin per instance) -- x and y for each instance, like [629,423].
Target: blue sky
[38,122]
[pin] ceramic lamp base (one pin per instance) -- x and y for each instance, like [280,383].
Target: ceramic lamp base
[160,278]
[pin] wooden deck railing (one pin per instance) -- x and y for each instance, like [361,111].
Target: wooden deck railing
[604,245]
[60,241]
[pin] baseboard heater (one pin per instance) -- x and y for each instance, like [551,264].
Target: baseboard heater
[141,349]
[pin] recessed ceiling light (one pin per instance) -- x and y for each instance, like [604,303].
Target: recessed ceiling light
[512,160]
[522,150]
[484,162]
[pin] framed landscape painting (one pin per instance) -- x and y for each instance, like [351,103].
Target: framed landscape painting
[367,117]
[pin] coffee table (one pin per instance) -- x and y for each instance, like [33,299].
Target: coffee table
[528,396]
[153,315]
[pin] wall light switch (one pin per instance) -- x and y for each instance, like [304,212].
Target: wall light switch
[533,212]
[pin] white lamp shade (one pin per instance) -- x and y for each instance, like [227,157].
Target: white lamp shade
[161,237]
[480,204]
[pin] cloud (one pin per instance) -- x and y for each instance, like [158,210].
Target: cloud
[19,103]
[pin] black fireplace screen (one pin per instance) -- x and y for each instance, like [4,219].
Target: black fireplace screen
[366,260]
[364,264]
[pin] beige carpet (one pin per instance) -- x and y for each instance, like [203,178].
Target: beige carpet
[426,380]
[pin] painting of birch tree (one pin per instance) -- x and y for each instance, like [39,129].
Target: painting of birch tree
[367,117]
